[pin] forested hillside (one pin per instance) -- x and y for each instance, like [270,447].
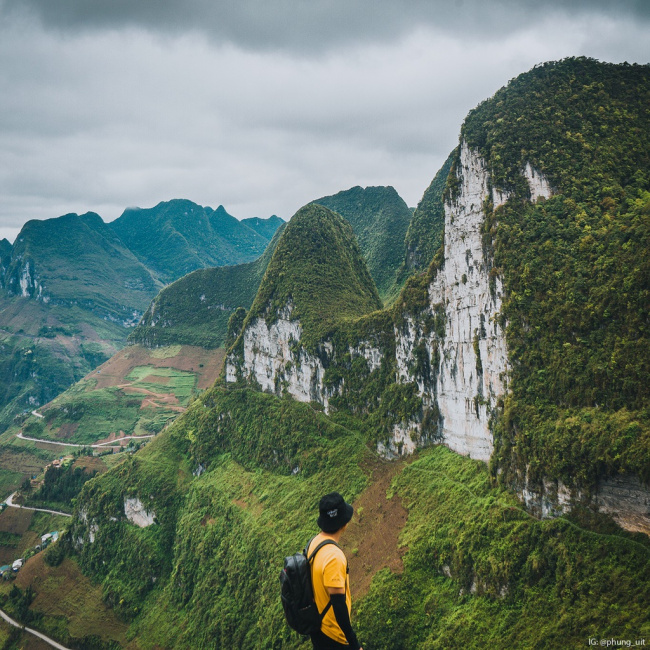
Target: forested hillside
[523,343]
[176,237]
[195,309]
[380,219]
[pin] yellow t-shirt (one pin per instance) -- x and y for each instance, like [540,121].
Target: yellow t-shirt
[329,569]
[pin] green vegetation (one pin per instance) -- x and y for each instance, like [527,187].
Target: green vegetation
[78,260]
[177,237]
[379,218]
[195,309]
[60,486]
[317,256]
[232,486]
[515,581]
[265,227]
[426,230]
[575,268]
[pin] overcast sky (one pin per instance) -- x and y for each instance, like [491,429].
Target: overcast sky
[262,105]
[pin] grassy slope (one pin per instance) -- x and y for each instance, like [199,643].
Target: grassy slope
[514,581]
[195,309]
[179,236]
[379,218]
[137,392]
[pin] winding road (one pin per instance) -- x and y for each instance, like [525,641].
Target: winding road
[110,443]
[9,501]
[40,635]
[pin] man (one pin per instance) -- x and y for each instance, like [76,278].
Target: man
[330,577]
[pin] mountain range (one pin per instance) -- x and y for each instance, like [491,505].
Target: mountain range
[71,288]
[488,418]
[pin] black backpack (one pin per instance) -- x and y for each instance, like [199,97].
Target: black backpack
[297,593]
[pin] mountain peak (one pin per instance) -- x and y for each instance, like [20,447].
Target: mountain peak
[318,269]
[380,219]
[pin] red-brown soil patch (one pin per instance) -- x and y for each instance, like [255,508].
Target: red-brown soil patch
[371,541]
[15,520]
[66,430]
[206,363]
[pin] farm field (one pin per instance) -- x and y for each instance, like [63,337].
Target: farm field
[135,393]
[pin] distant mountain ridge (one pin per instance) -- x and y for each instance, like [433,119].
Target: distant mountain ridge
[195,309]
[179,236]
[71,286]
[380,219]
[78,259]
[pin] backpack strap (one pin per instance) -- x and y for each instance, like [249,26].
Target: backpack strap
[311,556]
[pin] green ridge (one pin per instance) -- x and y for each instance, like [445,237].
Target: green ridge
[78,260]
[317,267]
[195,310]
[177,237]
[379,218]
[265,227]
[426,231]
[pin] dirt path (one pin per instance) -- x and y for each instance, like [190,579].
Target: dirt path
[10,502]
[372,539]
[76,444]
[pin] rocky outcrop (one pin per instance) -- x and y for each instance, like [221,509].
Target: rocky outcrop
[627,500]
[473,354]
[137,514]
[273,358]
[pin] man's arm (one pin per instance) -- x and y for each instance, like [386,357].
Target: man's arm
[340,609]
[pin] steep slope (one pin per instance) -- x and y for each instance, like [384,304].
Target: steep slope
[379,218]
[315,281]
[71,288]
[318,269]
[179,236]
[195,310]
[426,229]
[78,260]
[576,280]
[5,258]
[265,227]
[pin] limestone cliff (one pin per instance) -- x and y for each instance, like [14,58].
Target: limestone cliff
[458,369]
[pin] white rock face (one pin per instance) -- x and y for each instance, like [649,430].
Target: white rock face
[552,499]
[273,359]
[468,384]
[539,185]
[627,500]
[402,443]
[370,353]
[137,514]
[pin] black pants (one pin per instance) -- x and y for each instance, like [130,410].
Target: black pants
[321,641]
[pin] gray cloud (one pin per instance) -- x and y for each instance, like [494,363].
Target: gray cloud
[99,118]
[314,25]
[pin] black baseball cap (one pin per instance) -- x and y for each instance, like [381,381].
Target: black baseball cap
[334,512]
